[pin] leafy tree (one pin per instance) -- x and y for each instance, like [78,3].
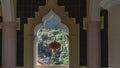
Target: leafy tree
[46,36]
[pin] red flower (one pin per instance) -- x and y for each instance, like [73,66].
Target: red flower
[54,45]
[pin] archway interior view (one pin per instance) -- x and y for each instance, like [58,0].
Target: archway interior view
[52,45]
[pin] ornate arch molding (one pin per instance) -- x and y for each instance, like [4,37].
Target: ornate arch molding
[47,17]
[46,20]
[106,4]
[69,22]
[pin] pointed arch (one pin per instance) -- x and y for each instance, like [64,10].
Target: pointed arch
[65,19]
[51,21]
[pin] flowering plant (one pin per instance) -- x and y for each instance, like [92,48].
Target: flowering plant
[54,45]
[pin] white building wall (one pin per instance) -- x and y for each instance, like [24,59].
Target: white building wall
[114,36]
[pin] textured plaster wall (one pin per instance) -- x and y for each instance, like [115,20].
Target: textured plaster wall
[114,36]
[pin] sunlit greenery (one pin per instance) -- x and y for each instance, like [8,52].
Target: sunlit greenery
[48,35]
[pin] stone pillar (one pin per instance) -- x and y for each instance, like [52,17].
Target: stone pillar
[93,45]
[93,35]
[9,45]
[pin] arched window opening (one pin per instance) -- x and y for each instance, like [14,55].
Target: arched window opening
[52,43]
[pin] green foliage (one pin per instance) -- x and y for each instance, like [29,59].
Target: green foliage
[46,36]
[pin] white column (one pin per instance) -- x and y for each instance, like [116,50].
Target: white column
[8,34]
[94,10]
[9,45]
[93,36]
[8,11]
[93,45]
